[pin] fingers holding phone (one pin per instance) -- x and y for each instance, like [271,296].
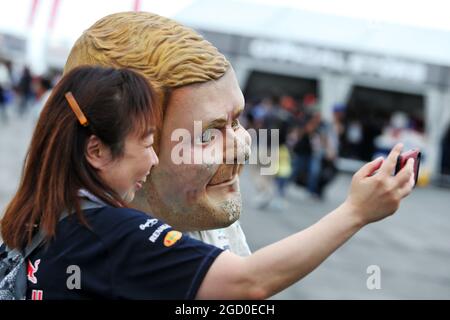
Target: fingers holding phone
[389,164]
[405,179]
[402,160]
[376,192]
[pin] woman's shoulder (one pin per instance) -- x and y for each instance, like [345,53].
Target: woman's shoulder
[118,220]
[121,213]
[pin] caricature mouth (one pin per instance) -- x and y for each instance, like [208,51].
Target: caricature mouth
[226,177]
[228,182]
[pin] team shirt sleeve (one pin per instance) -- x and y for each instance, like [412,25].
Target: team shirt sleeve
[151,260]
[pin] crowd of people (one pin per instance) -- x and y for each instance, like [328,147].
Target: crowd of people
[308,145]
[22,90]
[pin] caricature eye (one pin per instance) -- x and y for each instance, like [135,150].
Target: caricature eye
[235,124]
[207,136]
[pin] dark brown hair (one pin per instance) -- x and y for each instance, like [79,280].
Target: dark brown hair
[116,102]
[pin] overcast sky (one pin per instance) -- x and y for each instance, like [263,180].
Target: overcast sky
[74,16]
[424,13]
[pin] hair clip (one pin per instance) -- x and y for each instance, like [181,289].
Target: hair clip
[76,109]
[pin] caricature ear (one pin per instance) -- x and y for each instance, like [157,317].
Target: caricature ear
[96,153]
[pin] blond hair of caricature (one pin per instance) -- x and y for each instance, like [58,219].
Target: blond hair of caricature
[169,54]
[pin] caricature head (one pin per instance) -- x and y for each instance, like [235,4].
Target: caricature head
[193,82]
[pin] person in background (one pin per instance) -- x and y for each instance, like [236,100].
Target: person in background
[5,85]
[284,171]
[25,90]
[42,87]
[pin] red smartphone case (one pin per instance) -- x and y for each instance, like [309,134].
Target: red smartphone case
[403,158]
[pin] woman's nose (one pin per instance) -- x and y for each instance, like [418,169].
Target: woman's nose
[155,159]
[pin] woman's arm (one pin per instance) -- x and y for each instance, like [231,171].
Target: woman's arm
[372,197]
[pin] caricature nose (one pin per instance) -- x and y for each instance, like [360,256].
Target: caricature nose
[237,146]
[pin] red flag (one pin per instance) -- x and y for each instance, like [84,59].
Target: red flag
[34,6]
[137,5]
[53,13]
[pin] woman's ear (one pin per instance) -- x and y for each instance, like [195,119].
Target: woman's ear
[97,153]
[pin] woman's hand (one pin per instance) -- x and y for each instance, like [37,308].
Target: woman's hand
[373,197]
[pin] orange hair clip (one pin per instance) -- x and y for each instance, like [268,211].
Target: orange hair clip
[76,109]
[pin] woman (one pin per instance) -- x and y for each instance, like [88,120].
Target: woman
[93,141]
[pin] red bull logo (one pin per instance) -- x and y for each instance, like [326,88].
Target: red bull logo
[32,269]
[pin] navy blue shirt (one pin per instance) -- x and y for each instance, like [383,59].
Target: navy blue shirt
[125,254]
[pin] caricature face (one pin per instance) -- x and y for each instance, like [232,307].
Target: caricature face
[205,195]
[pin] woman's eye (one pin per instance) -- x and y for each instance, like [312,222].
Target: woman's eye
[235,124]
[148,144]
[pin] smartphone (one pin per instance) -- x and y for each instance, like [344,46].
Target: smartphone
[403,158]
